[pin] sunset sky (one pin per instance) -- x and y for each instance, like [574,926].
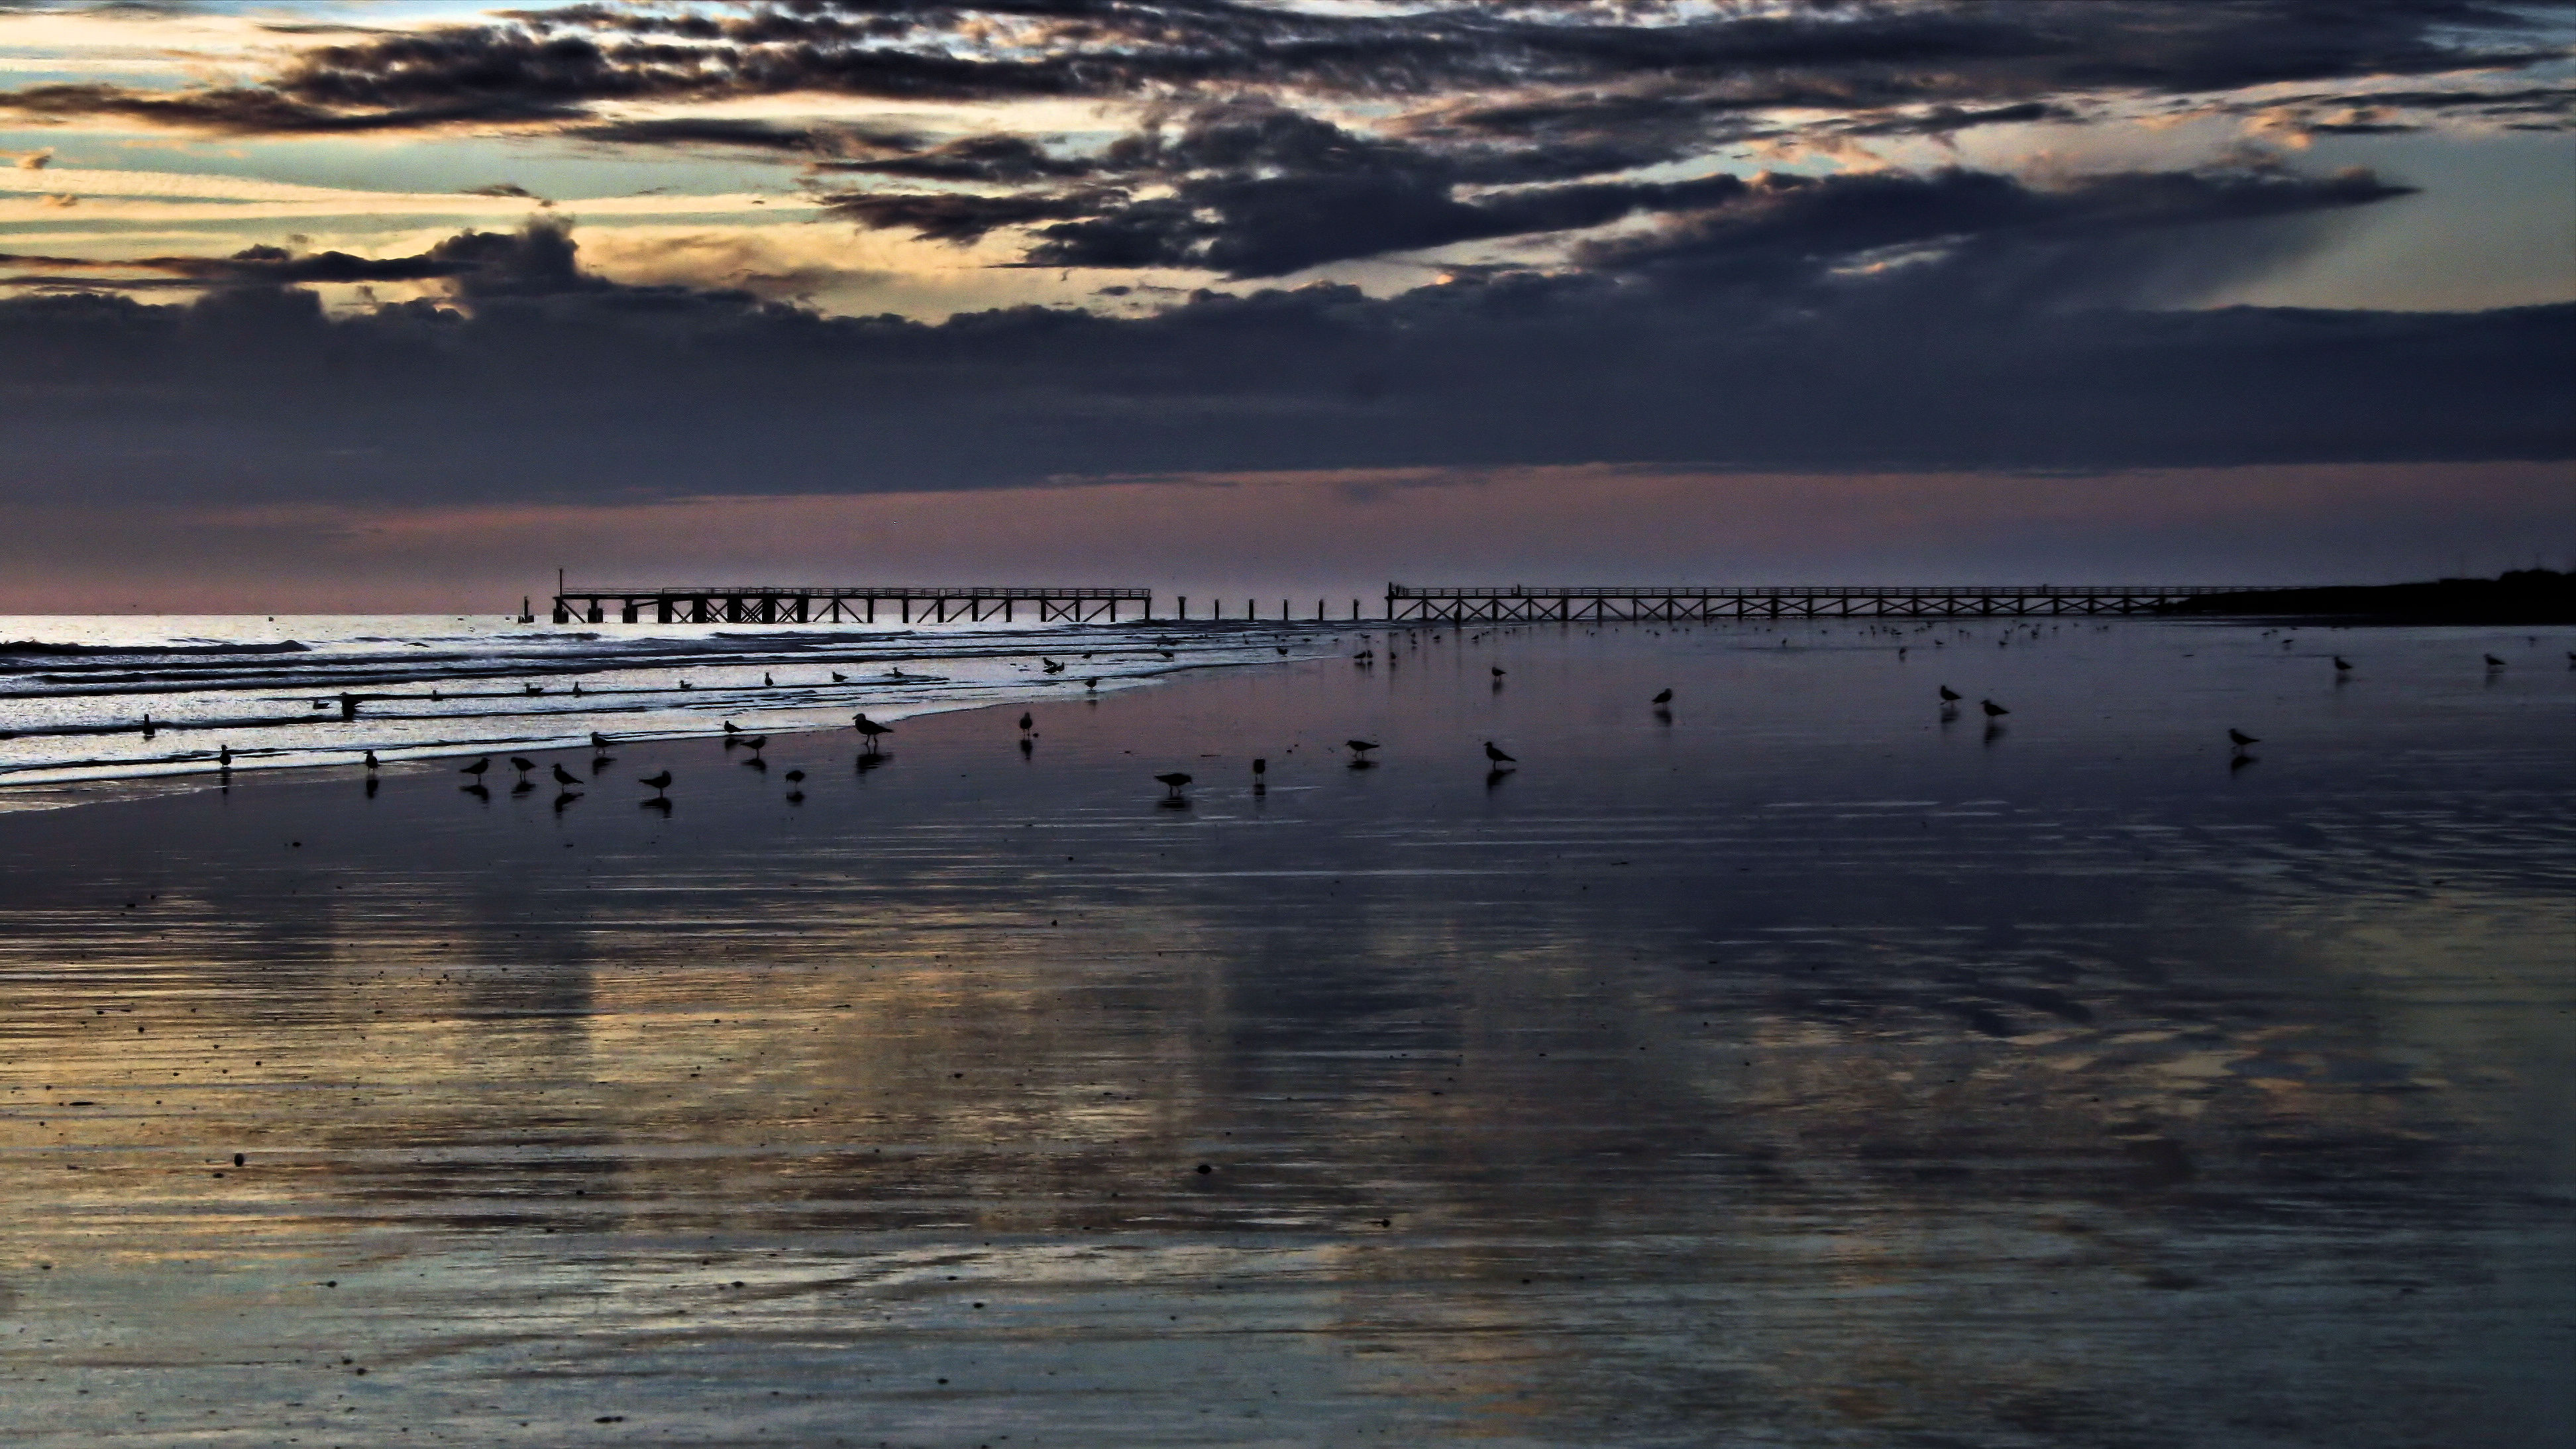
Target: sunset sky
[404,304]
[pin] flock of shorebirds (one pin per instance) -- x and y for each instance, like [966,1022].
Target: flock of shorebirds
[570,787]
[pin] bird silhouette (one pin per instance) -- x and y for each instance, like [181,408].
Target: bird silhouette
[598,741]
[2341,664]
[566,778]
[1666,697]
[1260,767]
[1026,722]
[869,728]
[731,729]
[1498,670]
[1053,666]
[1950,696]
[795,776]
[372,763]
[766,681]
[2240,739]
[839,678]
[477,768]
[1091,684]
[755,744]
[1497,756]
[1992,709]
[2494,663]
[522,764]
[1361,747]
[660,782]
[1173,783]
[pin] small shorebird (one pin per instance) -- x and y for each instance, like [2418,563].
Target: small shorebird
[2494,663]
[1026,722]
[795,777]
[730,728]
[1361,747]
[1053,666]
[1950,696]
[755,744]
[1991,708]
[1093,683]
[839,678]
[477,768]
[371,762]
[2342,665]
[1497,756]
[1260,767]
[522,764]
[869,728]
[566,778]
[2240,739]
[1173,782]
[598,741]
[660,783]
[766,682]
[1666,697]
[1498,670]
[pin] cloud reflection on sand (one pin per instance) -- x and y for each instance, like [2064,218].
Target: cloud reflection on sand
[1795,1071]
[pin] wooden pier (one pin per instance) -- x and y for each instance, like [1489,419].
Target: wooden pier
[835,604]
[1677,604]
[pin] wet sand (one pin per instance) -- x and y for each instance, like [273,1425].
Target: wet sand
[1799,1069]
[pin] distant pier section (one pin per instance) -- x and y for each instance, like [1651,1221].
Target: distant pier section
[837,604]
[1524,604]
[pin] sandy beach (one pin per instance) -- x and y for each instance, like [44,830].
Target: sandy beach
[1792,1066]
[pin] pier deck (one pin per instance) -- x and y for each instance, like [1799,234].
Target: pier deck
[1635,603]
[838,604]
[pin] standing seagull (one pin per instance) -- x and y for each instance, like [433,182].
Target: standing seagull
[869,728]
[599,741]
[1173,782]
[1664,698]
[522,765]
[1361,747]
[1991,708]
[2342,665]
[660,783]
[1498,670]
[2494,663]
[371,762]
[1950,696]
[566,778]
[477,768]
[1026,722]
[1497,756]
[2240,740]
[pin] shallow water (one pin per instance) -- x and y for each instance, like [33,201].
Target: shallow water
[1799,1069]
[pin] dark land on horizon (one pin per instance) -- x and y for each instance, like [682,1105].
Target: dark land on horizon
[2523,596]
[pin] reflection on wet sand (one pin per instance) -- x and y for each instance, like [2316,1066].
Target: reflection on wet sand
[1790,1071]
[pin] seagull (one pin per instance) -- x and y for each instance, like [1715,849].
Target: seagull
[566,778]
[522,765]
[1498,670]
[755,744]
[1361,747]
[731,728]
[1259,768]
[839,678]
[1950,696]
[1497,756]
[1174,781]
[1665,697]
[477,768]
[371,762]
[869,728]
[2342,664]
[1026,722]
[766,681]
[684,684]
[533,689]
[660,782]
[795,776]
[598,741]
[1991,708]
[2494,663]
[2240,739]
[1092,683]
[1053,666]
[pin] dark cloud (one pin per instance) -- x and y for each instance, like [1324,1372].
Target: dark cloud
[1951,321]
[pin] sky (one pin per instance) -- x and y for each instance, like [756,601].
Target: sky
[405,304]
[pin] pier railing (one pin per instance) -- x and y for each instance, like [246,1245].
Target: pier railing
[844,603]
[1621,603]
